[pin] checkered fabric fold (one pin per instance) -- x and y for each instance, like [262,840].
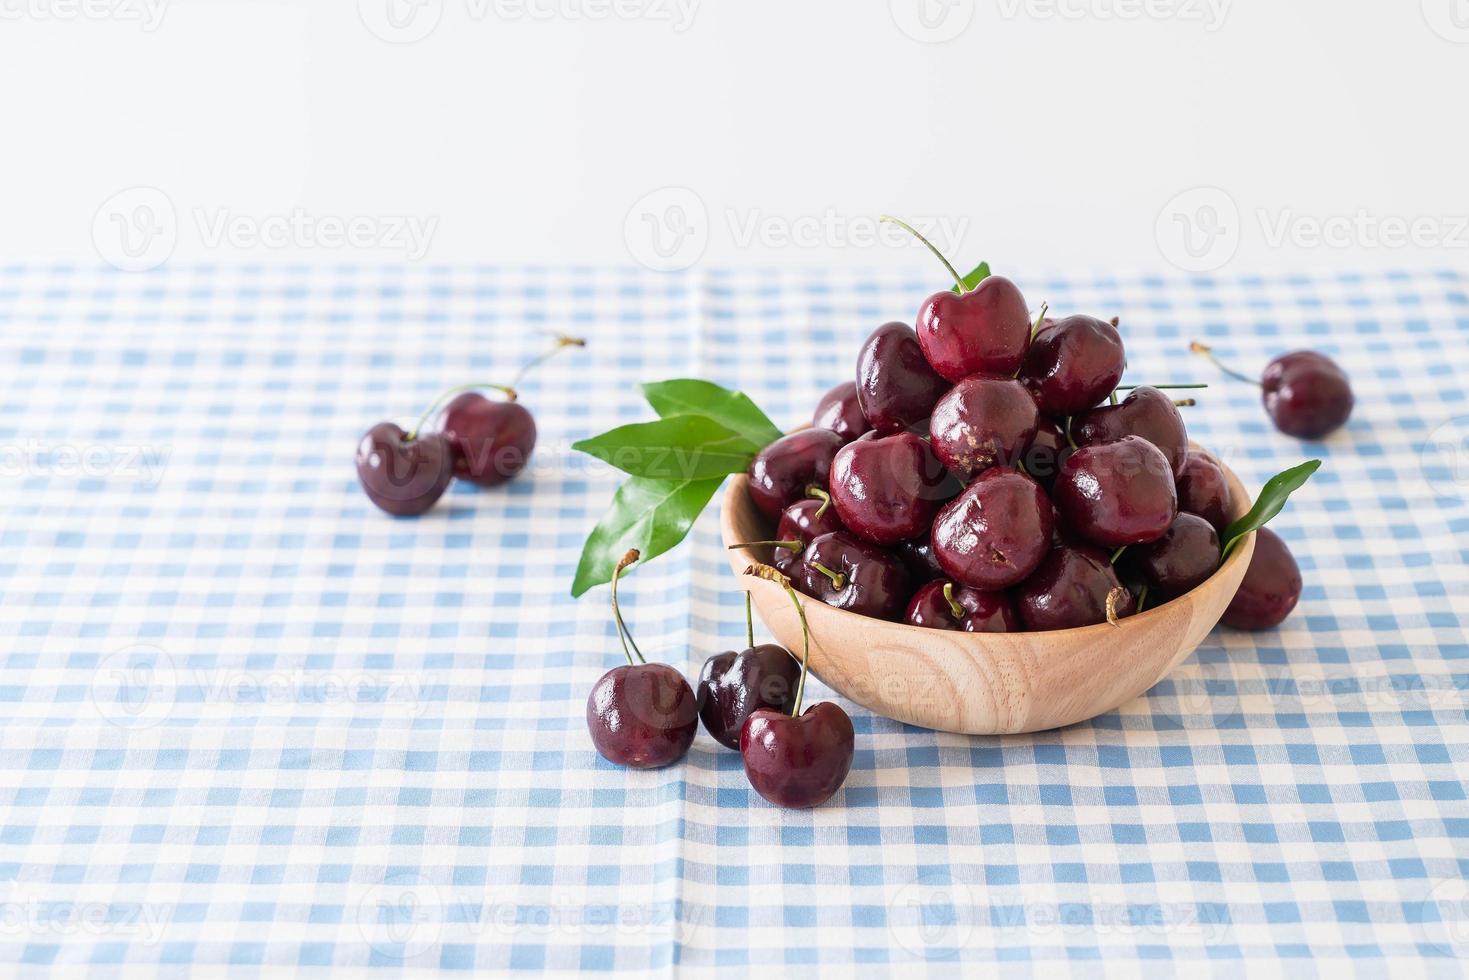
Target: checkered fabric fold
[249,723]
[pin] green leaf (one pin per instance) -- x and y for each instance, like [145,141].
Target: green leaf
[732,409]
[681,447]
[976,276]
[1273,495]
[649,515]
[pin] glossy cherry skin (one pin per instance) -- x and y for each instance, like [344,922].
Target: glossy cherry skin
[798,762]
[802,521]
[1203,490]
[1271,586]
[887,488]
[1180,561]
[735,685]
[492,439]
[642,716]
[918,556]
[1070,589]
[1045,452]
[1117,493]
[840,412]
[982,422]
[1072,364]
[403,476]
[996,532]
[1307,394]
[896,387]
[984,331]
[781,472]
[1146,412]
[873,582]
[984,612]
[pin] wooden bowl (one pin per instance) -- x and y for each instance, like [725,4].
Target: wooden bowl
[985,683]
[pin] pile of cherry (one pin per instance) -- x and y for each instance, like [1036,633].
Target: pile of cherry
[981,474]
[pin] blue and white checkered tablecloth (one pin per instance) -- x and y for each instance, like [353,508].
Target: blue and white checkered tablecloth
[248,723]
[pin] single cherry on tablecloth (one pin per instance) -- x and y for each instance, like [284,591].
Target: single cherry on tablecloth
[1271,586]
[403,473]
[1306,393]
[640,715]
[797,759]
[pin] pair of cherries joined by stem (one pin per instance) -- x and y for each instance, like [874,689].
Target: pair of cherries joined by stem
[1306,393]
[474,438]
[645,715]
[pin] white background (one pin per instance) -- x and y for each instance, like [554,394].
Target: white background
[1053,134]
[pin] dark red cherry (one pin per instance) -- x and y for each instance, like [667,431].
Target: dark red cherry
[403,476]
[781,472]
[895,385]
[492,439]
[798,762]
[802,521]
[1117,493]
[642,715]
[917,555]
[1271,586]
[984,331]
[1178,562]
[1146,412]
[1072,364]
[1203,490]
[1045,452]
[1070,589]
[735,685]
[1307,394]
[887,488]
[840,412]
[996,532]
[848,573]
[940,605]
[982,422]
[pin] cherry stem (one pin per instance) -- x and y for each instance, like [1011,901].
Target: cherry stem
[1142,597]
[562,342]
[1039,319]
[793,545]
[749,623]
[509,393]
[954,607]
[1117,554]
[1114,597]
[1192,384]
[819,494]
[779,578]
[1112,397]
[805,648]
[1184,402]
[1208,352]
[623,633]
[838,580]
[958,279]
[1068,434]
